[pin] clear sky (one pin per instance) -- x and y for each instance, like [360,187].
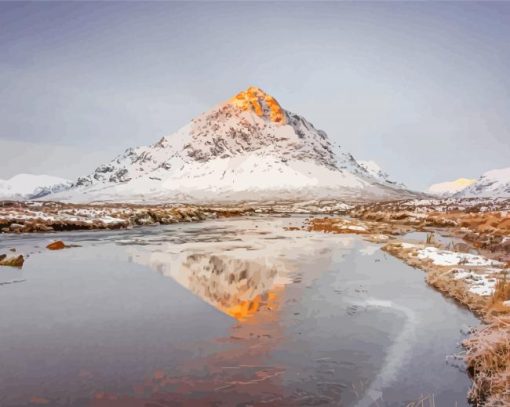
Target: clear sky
[421,88]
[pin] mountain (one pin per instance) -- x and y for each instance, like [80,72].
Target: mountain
[375,171]
[248,148]
[448,188]
[494,184]
[29,186]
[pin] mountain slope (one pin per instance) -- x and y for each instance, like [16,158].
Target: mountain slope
[248,148]
[29,186]
[376,171]
[495,184]
[449,188]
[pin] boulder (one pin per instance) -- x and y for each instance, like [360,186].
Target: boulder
[16,261]
[57,245]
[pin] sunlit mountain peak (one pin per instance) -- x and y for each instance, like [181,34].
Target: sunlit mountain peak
[262,104]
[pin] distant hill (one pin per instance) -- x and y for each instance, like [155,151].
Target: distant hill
[495,183]
[30,186]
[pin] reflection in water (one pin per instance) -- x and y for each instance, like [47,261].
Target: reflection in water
[305,328]
[236,286]
[256,279]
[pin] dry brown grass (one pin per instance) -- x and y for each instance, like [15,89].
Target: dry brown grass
[333,225]
[344,225]
[485,230]
[502,290]
[26,217]
[488,361]
[501,294]
[488,351]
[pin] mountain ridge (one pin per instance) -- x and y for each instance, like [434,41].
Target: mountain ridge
[494,183]
[31,186]
[248,147]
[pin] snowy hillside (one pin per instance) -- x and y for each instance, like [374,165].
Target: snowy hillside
[448,188]
[495,183]
[376,171]
[29,186]
[248,148]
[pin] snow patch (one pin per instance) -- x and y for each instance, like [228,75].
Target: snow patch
[448,258]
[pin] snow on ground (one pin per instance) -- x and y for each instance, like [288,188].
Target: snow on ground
[480,284]
[477,272]
[449,258]
[244,177]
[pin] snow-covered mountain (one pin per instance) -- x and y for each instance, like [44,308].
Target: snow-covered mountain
[29,186]
[376,171]
[448,188]
[495,184]
[248,148]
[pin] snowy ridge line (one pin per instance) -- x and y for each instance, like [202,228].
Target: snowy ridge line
[248,148]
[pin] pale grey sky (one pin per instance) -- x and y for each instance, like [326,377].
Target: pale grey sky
[421,88]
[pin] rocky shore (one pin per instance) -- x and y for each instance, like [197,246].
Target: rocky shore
[29,217]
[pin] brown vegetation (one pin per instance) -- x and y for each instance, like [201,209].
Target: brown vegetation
[29,217]
[484,224]
[353,226]
[488,361]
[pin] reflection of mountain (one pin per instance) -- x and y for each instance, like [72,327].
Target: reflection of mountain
[238,287]
[240,267]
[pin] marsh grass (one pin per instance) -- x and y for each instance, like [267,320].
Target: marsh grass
[488,361]
[502,289]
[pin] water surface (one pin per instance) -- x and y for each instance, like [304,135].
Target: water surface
[223,312]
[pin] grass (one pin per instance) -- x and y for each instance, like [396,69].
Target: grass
[502,289]
[488,361]
[488,351]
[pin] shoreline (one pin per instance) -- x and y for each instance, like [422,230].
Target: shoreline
[35,216]
[473,272]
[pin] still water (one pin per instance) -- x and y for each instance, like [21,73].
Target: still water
[230,312]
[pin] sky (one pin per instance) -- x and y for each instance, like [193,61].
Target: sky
[422,88]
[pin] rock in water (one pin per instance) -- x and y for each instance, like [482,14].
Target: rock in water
[57,245]
[16,261]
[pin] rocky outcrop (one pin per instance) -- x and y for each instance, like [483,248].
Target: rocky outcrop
[15,261]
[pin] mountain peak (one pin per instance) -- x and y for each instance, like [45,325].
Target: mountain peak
[261,103]
[246,148]
[450,187]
